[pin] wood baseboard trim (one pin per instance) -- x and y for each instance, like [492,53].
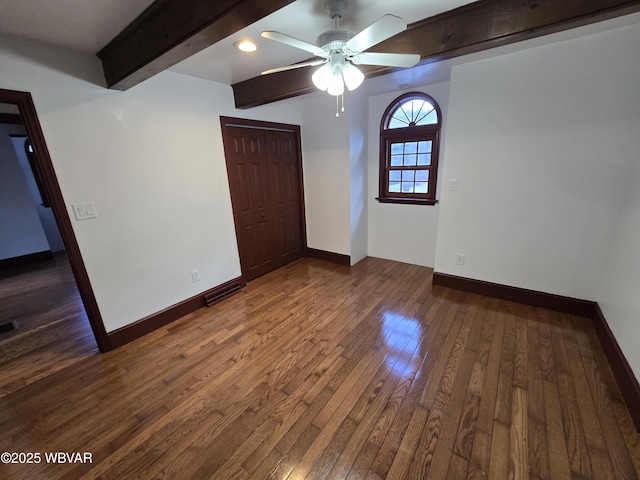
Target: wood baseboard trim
[26,259]
[574,306]
[338,258]
[128,333]
[625,378]
[627,381]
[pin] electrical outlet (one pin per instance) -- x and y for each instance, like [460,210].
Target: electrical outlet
[195,275]
[459,259]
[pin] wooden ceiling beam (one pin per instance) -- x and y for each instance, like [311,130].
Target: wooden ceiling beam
[169,31]
[471,28]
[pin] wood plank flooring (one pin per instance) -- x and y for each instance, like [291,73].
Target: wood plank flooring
[53,330]
[324,371]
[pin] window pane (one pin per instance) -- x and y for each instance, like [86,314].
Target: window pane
[396,160]
[422,187]
[410,147]
[408,175]
[394,187]
[398,120]
[432,117]
[397,148]
[407,187]
[422,176]
[424,146]
[410,160]
[417,112]
[427,116]
[394,176]
[424,159]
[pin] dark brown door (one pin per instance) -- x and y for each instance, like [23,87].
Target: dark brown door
[264,179]
[282,161]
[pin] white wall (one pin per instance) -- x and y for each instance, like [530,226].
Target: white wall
[406,233]
[358,173]
[618,296]
[542,142]
[21,232]
[151,159]
[326,162]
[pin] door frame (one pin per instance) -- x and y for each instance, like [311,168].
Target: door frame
[264,125]
[29,116]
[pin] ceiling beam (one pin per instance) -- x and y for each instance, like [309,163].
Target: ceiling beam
[471,28]
[169,31]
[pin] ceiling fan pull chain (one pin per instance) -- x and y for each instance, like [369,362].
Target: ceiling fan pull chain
[337,113]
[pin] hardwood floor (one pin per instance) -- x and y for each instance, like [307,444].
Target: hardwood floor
[324,371]
[53,331]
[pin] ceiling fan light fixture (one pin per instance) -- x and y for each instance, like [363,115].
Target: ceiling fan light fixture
[336,84]
[342,50]
[322,77]
[353,77]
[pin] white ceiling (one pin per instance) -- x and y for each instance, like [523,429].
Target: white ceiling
[83,25]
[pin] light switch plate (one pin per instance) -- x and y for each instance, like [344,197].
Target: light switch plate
[84,211]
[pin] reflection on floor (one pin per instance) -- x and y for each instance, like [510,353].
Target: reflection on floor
[322,371]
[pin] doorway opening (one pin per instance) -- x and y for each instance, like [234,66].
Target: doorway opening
[26,112]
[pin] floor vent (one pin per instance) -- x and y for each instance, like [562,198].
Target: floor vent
[220,294]
[7,327]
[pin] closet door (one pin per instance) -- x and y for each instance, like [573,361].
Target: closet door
[284,193]
[264,180]
[249,184]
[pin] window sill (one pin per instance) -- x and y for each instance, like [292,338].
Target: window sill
[406,201]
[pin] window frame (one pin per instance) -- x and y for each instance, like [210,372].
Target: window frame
[388,136]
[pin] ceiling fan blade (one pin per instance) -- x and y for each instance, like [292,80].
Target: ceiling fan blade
[386,59]
[294,42]
[293,66]
[386,27]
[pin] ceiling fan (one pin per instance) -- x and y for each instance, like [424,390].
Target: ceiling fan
[340,50]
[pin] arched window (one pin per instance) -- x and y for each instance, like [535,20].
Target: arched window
[409,145]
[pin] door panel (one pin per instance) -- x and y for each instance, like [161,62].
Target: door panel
[283,167]
[264,179]
[250,196]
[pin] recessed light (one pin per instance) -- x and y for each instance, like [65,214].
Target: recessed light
[246,46]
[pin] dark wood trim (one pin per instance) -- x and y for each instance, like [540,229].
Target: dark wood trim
[169,31]
[468,29]
[10,119]
[406,201]
[332,257]
[260,124]
[27,259]
[31,123]
[574,306]
[627,381]
[135,330]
